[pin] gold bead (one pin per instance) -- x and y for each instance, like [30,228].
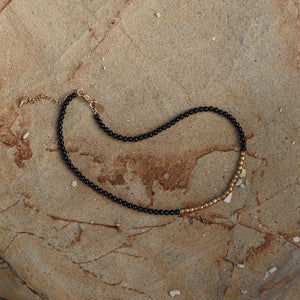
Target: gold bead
[210,203]
[206,205]
[240,167]
[215,201]
[219,198]
[230,189]
[236,176]
[201,207]
[241,162]
[231,184]
[242,158]
[243,153]
[192,209]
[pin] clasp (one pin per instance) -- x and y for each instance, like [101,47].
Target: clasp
[87,98]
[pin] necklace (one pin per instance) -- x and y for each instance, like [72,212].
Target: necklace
[80,93]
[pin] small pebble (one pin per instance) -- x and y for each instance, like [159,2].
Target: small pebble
[266,275]
[255,154]
[213,38]
[238,182]
[174,292]
[25,135]
[92,222]
[296,239]
[293,142]
[102,58]
[241,185]
[280,110]
[243,173]
[103,67]
[243,292]
[157,14]
[242,266]
[74,183]
[228,198]
[272,270]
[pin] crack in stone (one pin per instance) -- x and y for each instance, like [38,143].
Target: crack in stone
[5,5]
[56,218]
[34,291]
[6,209]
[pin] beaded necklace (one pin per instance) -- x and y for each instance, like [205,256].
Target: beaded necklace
[156,211]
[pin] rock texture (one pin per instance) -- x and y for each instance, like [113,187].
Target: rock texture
[145,62]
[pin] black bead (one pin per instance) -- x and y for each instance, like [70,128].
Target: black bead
[124,139]
[104,193]
[115,135]
[210,108]
[135,139]
[173,122]
[114,198]
[140,208]
[205,108]
[150,134]
[181,116]
[171,212]
[159,129]
[186,114]
[145,136]
[242,139]
[86,181]
[241,133]
[106,129]
[166,212]
[200,108]
[220,112]
[150,211]
[129,205]
[168,125]
[155,132]
[244,148]
[155,211]
[177,119]
[124,203]
[110,133]
[176,211]
[69,98]
[145,209]
[130,139]
[164,127]
[225,113]
[216,110]
[73,95]
[102,125]
[120,137]
[134,207]
[109,196]
[140,137]
[161,212]
[119,200]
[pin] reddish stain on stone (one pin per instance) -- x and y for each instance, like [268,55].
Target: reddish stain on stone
[10,139]
[172,172]
[266,246]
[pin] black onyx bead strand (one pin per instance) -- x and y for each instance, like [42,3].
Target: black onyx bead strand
[173,122]
[90,183]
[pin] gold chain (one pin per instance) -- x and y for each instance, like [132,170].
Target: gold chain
[80,93]
[26,100]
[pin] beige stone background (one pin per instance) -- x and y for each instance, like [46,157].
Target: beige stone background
[63,242]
